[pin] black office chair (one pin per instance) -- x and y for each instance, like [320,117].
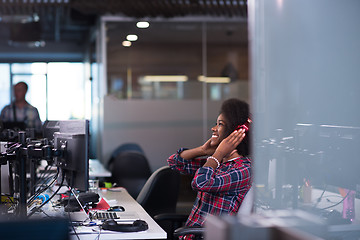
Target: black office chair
[246,208]
[126,147]
[130,169]
[160,194]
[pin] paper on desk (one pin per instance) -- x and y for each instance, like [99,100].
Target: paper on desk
[102,205]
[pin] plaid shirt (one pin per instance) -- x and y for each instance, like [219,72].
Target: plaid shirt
[28,114]
[220,191]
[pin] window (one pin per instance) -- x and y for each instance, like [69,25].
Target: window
[58,90]
[4,85]
[66,91]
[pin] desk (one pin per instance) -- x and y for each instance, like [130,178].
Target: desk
[123,198]
[330,198]
[96,169]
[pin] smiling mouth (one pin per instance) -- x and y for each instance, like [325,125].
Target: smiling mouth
[214,136]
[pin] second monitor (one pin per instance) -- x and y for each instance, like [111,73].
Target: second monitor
[72,138]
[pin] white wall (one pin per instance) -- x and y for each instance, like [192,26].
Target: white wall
[160,127]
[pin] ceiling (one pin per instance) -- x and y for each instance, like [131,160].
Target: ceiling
[66,25]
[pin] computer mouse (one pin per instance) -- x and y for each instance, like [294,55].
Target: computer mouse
[117,208]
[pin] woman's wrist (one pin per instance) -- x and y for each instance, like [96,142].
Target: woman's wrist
[218,155]
[212,162]
[214,159]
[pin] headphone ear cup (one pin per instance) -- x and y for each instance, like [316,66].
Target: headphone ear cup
[136,226]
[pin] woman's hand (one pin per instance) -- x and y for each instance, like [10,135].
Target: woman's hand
[229,144]
[207,148]
[204,150]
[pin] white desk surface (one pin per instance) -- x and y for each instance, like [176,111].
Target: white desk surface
[123,198]
[96,169]
[330,198]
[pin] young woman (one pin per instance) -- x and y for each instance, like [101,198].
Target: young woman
[221,166]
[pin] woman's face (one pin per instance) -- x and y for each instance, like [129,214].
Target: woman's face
[218,131]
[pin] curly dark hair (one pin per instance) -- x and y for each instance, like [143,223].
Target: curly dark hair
[236,112]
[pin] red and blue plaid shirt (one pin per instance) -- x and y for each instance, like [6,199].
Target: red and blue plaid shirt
[220,191]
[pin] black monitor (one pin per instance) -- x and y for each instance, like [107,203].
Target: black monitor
[64,126]
[14,125]
[73,140]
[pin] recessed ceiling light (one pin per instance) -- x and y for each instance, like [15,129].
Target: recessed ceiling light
[142,24]
[131,37]
[126,43]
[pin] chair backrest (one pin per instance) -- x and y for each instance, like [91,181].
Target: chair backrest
[130,170]
[126,147]
[160,193]
[247,204]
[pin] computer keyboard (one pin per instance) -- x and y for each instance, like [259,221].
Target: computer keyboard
[106,215]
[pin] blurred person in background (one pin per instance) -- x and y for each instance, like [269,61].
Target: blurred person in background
[21,112]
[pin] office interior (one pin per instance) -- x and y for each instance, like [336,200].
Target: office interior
[294,62]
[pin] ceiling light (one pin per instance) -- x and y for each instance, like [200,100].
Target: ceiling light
[165,78]
[131,37]
[214,79]
[142,24]
[36,18]
[126,43]
[29,44]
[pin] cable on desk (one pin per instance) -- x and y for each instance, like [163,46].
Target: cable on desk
[40,191]
[72,225]
[337,203]
[98,236]
[45,176]
[48,200]
[9,202]
[319,198]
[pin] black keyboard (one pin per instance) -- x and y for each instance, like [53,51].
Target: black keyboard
[106,215]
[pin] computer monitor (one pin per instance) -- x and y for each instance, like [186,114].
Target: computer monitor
[14,125]
[64,126]
[73,141]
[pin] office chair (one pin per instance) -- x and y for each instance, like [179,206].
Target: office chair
[160,194]
[130,169]
[246,208]
[126,147]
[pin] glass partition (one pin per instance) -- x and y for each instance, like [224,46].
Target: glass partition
[305,104]
[167,79]
[173,59]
